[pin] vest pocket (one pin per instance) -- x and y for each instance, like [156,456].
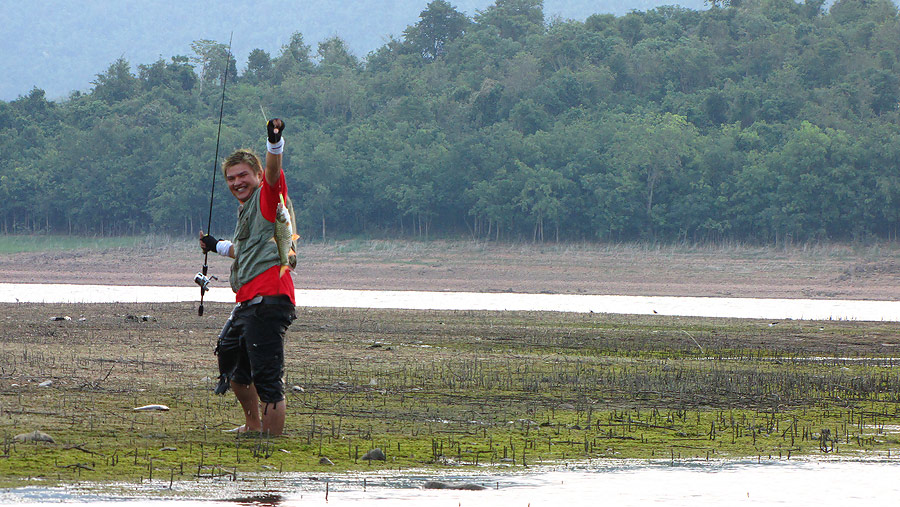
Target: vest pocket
[242,231]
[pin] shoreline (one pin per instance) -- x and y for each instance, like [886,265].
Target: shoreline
[839,272]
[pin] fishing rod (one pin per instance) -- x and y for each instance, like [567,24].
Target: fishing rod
[200,278]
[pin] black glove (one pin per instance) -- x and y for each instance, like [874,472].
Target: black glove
[208,243]
[275,127]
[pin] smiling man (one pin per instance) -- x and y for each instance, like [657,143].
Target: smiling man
[251,347]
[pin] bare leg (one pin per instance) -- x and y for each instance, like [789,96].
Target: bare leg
[249,400]
[273,417]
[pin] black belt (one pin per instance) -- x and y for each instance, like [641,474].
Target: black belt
[267,300]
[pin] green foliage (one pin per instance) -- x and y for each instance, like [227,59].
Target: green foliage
[760,120]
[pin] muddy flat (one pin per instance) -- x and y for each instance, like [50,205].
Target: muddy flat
[820,272]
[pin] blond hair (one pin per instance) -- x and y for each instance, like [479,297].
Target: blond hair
[242,156]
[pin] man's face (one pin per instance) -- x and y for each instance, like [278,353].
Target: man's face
[242,181]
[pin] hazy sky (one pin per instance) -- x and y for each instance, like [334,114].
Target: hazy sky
[61,45]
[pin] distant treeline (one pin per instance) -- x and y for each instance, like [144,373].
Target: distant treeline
[760,121]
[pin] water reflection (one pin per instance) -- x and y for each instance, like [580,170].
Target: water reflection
[799,309]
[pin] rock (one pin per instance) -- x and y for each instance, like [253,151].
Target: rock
[298,389]
[376,454]
[325,461]
[168,449]
[63,318]
[46,383]
[142,318]
[34,436]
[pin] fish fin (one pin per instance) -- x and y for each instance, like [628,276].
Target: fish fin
[295,237]
[283,270]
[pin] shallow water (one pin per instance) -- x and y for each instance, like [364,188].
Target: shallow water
[756,308]
[780,482]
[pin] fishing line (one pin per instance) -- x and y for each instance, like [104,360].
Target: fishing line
[201,277]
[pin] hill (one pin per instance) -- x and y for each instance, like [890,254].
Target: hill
[60,45]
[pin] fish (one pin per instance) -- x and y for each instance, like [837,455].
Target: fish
[284,237]
[34,436]
[150,408]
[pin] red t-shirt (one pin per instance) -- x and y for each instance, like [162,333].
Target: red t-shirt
[268,283]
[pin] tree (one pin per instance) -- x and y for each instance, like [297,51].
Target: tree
[214,60]
[813,8]
[486,107]
[528,117]
[438,24]
[690,66]
[885,91]
[650,150]
[294,59]
[630,27]
[817,187]
[823,62]
[259,67]
[321,195]
[174,75]
[333,54]
[494,200]
[117,83]
[515,19]
[541,197]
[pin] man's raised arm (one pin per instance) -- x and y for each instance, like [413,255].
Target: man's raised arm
[274,149]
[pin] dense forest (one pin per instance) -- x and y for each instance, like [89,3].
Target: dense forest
[767,121]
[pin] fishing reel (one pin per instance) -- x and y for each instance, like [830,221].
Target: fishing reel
[203,281]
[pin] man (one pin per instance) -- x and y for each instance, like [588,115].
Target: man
[251,352]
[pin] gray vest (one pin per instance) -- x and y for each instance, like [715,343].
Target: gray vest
[254,245]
